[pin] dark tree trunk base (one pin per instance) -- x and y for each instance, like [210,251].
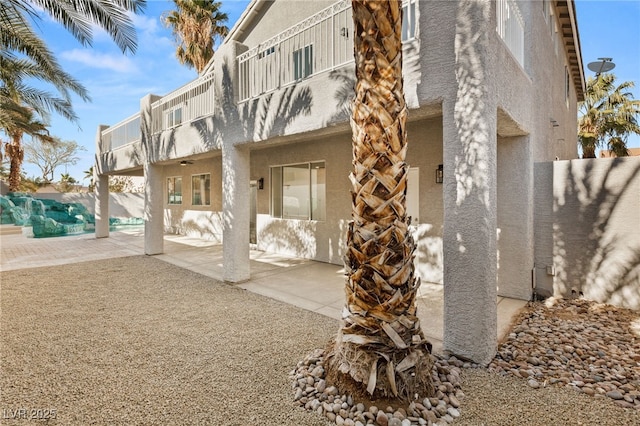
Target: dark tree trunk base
[412,384]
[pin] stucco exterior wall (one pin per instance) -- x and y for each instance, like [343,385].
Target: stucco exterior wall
[515,217]
[325,240]
[587,234]
[187,219]
[546,68]
[319,240]
[285,12]
[121,160]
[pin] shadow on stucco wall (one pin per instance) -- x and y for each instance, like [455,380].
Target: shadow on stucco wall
[346,77]
[257,119]
[596,245]
[202,224]
[254,120]
[428,253]
[293,237]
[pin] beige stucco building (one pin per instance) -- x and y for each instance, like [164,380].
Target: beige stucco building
[257,150]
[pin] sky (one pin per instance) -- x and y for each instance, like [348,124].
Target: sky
[116,82]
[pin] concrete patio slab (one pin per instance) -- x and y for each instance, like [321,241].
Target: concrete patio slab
[310,285]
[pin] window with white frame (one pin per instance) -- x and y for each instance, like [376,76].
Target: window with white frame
[174,190]
[545,9]
[303,62]
[408,20]
[567,84]
[173,117]
[298,191]
[556,38]
[201,190]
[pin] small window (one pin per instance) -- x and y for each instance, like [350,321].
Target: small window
[201,190]
[298,191]
[174,190]
[545,9]
[269,51]
[173,117]
[303,62]
[408,20]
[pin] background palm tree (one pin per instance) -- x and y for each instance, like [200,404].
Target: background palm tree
[23,54]
[380,345]
[607,116]
[67,182]
[88,174]
[31,125]
[196,26]
[23,109]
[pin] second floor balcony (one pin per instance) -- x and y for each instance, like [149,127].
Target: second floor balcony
[318,44]
[322,42]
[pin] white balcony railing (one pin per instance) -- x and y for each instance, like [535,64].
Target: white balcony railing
[125,132]
[510,27]
[322,42]
[191,101]
[183,105]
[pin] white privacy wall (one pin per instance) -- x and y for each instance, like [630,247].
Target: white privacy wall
[587,232]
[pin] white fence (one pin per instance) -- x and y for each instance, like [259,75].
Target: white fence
[510,27]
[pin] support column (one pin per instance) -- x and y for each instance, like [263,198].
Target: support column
[101,190]
[102,205]
[470,216]
[153,210]
[515,217]
[235,213]
[153,183]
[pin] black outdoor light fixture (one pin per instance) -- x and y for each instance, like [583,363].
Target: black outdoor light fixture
[439,173]
[185,162]
[261,183]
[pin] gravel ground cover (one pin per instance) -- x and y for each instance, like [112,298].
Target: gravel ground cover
[140,341]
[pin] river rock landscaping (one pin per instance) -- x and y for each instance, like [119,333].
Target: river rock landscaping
[581,345]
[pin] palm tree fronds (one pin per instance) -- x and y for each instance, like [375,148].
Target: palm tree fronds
[607,116]
[78,17]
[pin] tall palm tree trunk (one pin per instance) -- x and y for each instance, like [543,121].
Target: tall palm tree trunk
[380,344]
[588,148]
[15,152]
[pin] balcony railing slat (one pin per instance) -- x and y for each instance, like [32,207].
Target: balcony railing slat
[510,27]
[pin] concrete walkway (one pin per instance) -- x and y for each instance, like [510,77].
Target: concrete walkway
[311,285]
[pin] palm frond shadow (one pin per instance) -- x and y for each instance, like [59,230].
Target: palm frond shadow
[258,119]
[605,266]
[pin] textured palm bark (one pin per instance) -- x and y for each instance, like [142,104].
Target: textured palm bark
[15,152]
[380,344]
